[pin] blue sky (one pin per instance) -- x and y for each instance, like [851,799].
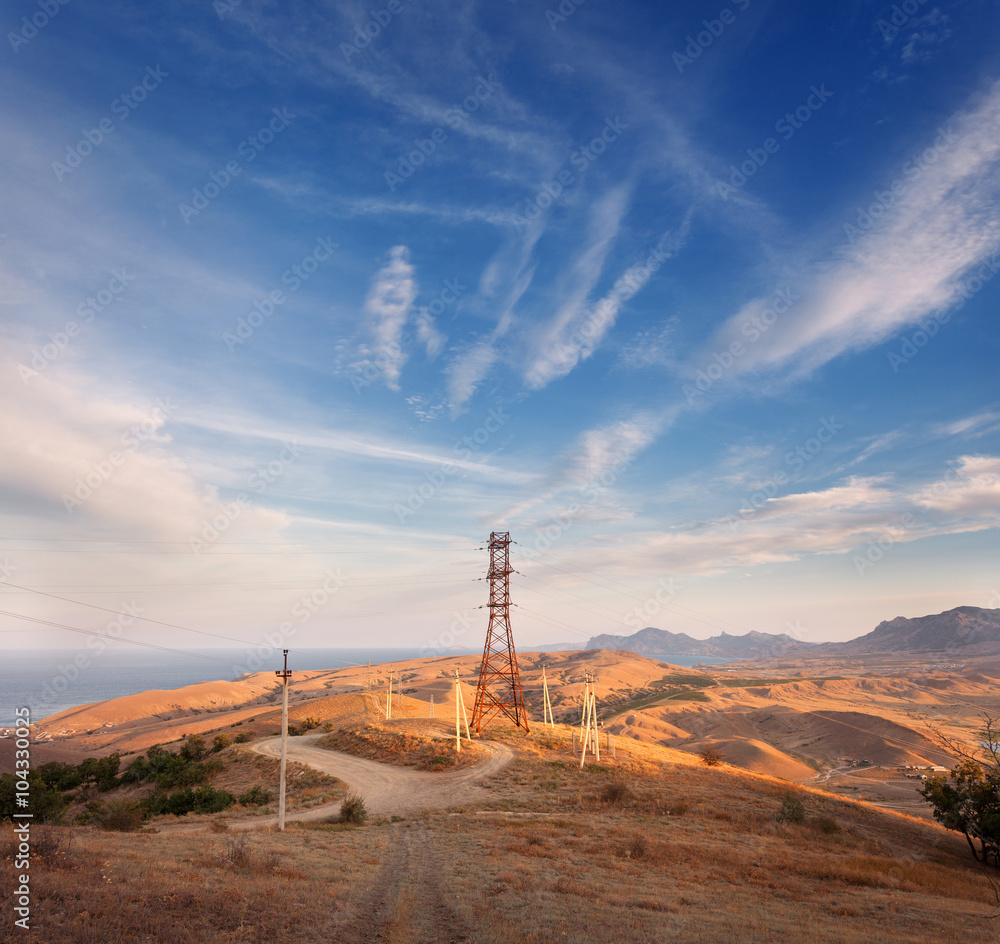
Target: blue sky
[301,301]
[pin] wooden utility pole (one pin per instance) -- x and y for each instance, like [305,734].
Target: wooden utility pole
[431,715]
[546,703]
[588,724]
[460,704]
[388,698]
[284,675]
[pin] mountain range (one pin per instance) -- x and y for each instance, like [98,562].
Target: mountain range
[971,629]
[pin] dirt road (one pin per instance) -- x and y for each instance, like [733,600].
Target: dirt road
[386,788]
[406,903]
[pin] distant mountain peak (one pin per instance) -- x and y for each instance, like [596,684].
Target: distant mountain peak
[662,644]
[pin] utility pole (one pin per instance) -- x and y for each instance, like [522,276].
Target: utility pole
[546,703]
[388,698]
[499,665]
[431,715]
[284,675]
[460,701]
[588,724]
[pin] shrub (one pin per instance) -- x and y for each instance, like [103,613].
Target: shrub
[181,802]
[103,772]
[50,844]
[139,770]
[47,803]
[244,736]
[255,796]
[712,757]
[60,776]
[617,792]
[353,810]
[221,742]
[238,851]
[193,748]
[792,810]
[120,816]
[828,825]
[638,847]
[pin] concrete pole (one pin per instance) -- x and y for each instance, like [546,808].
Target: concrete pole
[284,742]
[547,717]
[458,730]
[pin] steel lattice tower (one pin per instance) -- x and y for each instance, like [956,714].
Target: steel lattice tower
[499,689]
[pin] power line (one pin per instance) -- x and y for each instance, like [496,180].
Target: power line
[128,642]
[145,619]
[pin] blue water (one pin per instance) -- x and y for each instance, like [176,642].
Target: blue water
[49,681]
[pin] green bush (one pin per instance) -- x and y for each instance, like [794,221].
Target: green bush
[792,810]
[122,816]
[255,796]
[193,748]
[181,802]
[353,810]
[221,742]
[47,803]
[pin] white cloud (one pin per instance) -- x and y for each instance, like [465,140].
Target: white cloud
[977,425]
[652,348]
[504,280]
[971,489]
[835,520]
[428,334]
[593,465]
[467,371]
[560,345]
[908,265]
[77,452]
[388,307]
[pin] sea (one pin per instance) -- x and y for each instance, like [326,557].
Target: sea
[48,681]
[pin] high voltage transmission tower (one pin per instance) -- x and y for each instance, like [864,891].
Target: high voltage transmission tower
[499,689]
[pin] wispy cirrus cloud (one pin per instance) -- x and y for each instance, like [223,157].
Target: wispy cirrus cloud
[557,347]
[902,269]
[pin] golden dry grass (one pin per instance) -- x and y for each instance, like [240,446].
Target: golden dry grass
[424,745]
[679,853]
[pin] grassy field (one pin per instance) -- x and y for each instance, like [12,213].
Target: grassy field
[648,846]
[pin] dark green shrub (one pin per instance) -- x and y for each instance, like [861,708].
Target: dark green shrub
[255,796]
[122,816]
[353,810]
[792,810]
[47,803]
[60,776]
[193,748]
[221,742]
